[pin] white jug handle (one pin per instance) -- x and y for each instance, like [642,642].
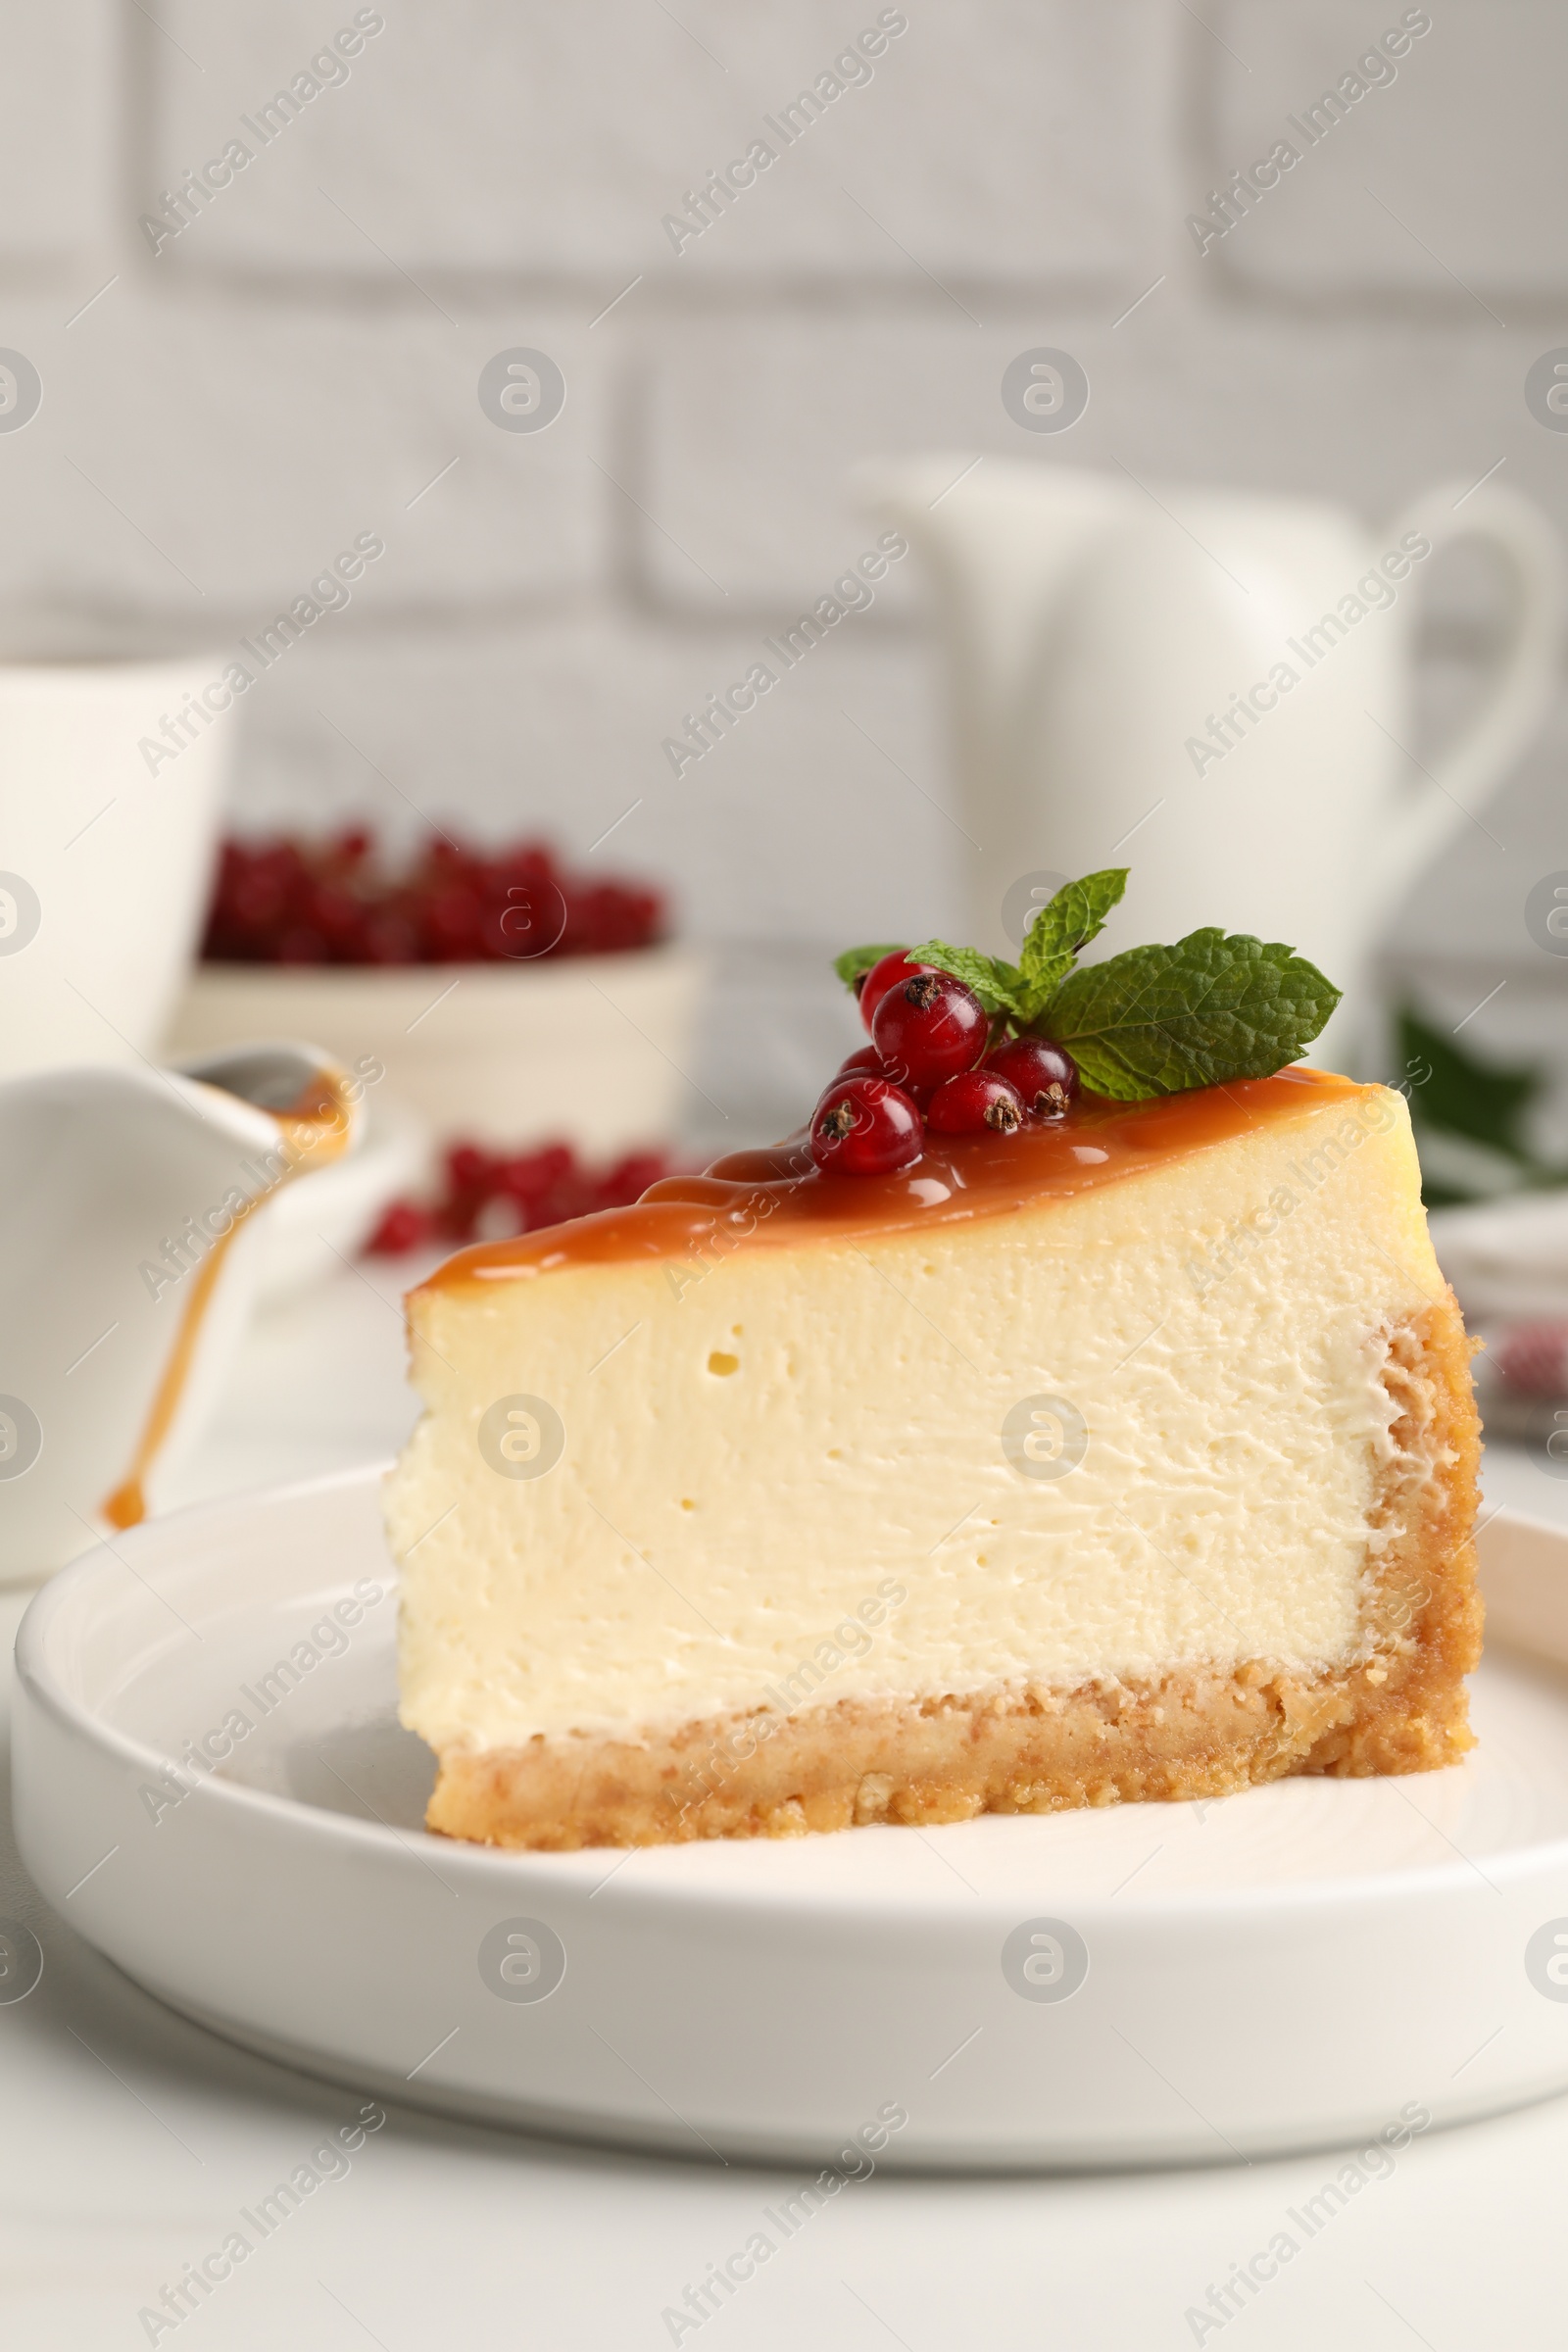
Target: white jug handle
[1464,775]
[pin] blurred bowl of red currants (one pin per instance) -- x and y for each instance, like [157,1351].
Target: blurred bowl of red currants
[508,996]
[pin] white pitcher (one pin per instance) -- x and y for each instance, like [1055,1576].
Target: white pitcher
[1213,689]
[134,1206]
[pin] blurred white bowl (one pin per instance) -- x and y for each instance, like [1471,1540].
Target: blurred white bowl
[591,1048]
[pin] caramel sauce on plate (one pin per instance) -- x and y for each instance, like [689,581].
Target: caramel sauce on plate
[778,1195]
[312,1129]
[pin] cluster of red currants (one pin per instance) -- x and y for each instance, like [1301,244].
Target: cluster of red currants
[928,1067]
[489,1196]
[338,900]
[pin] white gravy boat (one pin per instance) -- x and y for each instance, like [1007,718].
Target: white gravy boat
[133,1211]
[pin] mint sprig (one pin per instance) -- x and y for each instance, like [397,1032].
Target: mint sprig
[1023,990]
[1152,1021]
[998,985]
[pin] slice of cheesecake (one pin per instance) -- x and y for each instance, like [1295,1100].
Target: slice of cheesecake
[1131,1455]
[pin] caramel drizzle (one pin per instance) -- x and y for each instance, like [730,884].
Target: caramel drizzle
[314,1131]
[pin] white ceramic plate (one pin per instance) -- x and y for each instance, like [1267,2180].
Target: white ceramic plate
[1303,1964]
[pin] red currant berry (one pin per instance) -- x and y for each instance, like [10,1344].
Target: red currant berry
[1046,1077]
[932,1026]
[404,1225]
[864,1063]
[865,1128]
[974,1102]
[873,985]
[869,1063]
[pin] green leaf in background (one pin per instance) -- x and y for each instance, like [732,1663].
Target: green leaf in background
[856,960]
[1461,1096]
[995,983]
[1470,1119]
[1158,1020]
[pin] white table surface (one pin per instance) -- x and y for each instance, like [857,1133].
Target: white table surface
[131,2139]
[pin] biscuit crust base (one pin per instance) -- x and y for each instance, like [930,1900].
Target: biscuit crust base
[1398,1705]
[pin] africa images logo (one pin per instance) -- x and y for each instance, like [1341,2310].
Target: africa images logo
[521,1437]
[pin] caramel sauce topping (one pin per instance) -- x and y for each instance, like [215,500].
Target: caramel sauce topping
[777,1194]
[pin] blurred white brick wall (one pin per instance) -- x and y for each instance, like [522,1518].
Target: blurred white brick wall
[300,364]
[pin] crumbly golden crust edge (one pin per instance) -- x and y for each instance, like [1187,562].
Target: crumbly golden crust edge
[1398,1706]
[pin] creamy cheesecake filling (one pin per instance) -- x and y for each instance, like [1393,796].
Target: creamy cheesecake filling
[786,1478]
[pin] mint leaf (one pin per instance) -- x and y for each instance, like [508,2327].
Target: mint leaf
[856,960]
[1158,1020]
[995,983]
[1065,924]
